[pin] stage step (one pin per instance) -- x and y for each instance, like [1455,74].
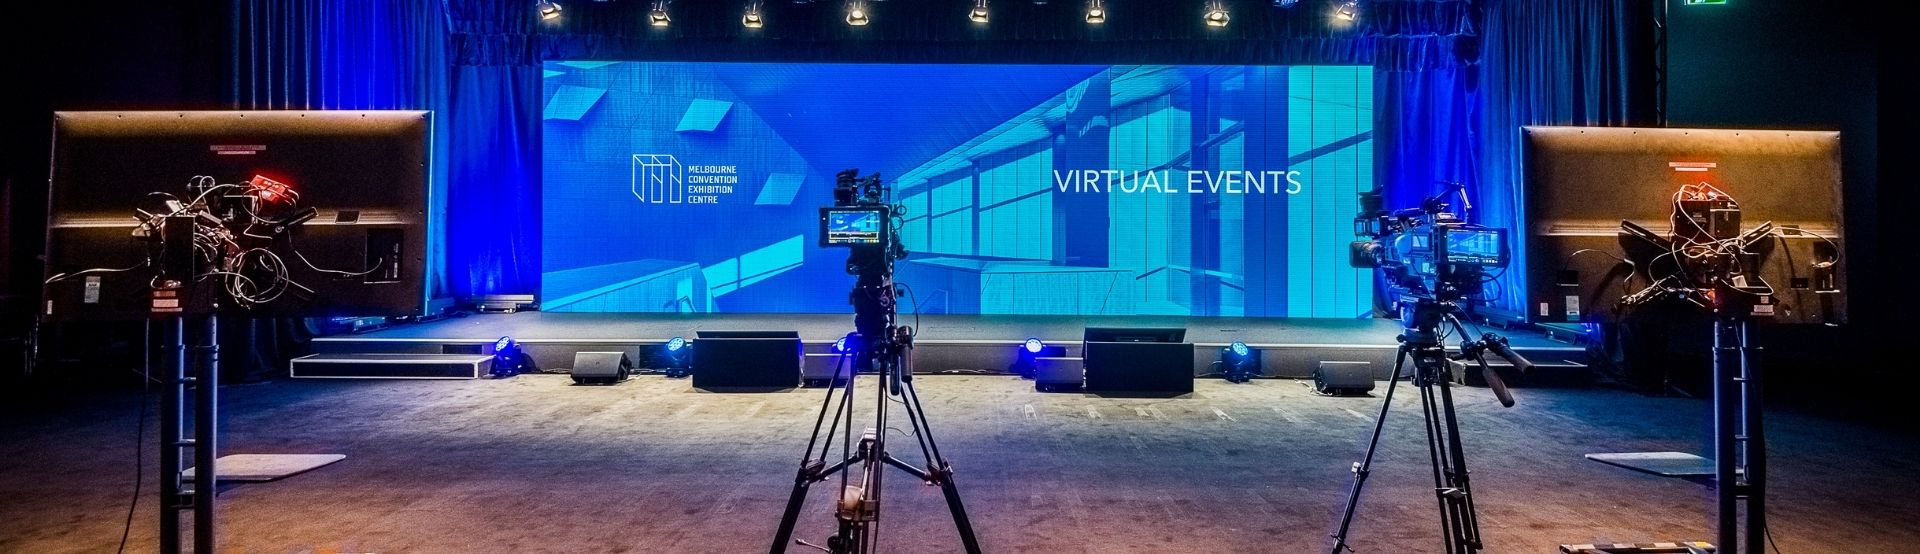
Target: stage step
[390,366]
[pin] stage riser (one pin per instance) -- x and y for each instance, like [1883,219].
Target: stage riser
[1286,361]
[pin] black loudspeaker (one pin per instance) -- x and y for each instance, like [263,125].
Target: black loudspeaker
[743,361]
[1343,378]
[601,367]
[1155,368]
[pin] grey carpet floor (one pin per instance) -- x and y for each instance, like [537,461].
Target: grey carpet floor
[531,464]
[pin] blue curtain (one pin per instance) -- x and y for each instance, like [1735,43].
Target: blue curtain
[494,232]
[468,61]
[1425,93]
[358,55]
[1566,62]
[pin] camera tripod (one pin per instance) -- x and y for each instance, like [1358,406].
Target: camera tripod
[886,350]
[1432,372]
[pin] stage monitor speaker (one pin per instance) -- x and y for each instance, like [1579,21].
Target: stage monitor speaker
[1134,334]
[738,361]
[818,370]
[601,367]
[1343,378]
[1154,368]
[1059,373]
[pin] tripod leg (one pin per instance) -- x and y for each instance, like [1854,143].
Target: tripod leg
[960,520]
[1360,470]
[792,515]
[809,472]
[1451,476]
[942,472]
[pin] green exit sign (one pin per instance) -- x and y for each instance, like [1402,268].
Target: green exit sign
[1706,2]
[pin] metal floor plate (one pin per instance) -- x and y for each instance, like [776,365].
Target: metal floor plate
[1664,464]
[259,468]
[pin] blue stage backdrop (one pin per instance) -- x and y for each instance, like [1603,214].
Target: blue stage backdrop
[1029,189]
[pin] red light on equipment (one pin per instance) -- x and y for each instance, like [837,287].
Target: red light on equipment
[269,190]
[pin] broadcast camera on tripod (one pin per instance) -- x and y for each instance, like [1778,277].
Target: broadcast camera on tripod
[1435,265]
[864,221]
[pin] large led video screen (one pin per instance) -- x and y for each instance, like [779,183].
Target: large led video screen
[1027,189]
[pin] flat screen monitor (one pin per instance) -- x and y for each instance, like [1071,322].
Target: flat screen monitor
[1582,182]
[365,172]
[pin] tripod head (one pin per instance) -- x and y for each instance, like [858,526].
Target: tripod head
[1426,322]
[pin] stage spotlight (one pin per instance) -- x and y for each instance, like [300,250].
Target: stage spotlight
[507,358]
[1096,13]
[679,357]
[979,12]
[841,345]
[658,17]
[1216,14]
[548,10]
[1027,364]
[1348,10]
[857,14]
[1238,363]
[752,19]
[1285,3]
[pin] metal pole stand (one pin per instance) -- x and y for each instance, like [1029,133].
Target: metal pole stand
[176,496]
[1739,440]
[1739,464]
[858,510]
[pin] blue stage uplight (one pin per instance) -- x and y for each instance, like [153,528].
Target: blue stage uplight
[1239,363]
[507,358]
[678,357]
[844,344]
[548,10]
[1030,352]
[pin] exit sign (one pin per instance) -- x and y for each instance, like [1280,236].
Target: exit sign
[1705,2]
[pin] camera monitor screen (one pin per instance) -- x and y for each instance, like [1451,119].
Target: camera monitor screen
[1481,247]
[863,226]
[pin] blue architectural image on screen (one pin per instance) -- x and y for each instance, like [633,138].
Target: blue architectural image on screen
[1027,189]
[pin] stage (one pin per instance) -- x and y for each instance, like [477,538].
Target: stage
[1291,347]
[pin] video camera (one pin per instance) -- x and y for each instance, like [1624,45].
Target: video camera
[861,217]
[1428,252]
